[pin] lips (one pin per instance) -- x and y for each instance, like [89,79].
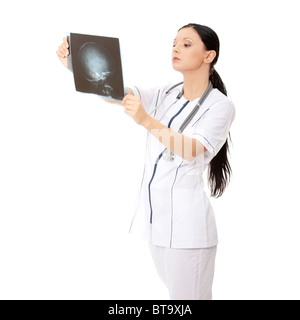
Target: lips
[175,59]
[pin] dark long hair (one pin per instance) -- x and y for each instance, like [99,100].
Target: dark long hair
[219,169]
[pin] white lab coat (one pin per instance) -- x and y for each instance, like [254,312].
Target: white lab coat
[172,209]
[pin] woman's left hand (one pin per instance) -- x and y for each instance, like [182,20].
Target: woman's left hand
[134,107]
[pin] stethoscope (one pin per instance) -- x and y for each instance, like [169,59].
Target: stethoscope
[167,154]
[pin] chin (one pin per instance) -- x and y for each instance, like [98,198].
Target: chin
[177,68]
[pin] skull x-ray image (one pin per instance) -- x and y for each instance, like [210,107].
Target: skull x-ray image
[96,63]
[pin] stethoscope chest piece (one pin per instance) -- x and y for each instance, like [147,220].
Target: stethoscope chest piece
[168,155]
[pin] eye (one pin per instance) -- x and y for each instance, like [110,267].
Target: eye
[186,45]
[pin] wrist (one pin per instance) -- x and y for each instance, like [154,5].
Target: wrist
[146,123]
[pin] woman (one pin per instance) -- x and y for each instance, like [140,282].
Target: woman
[173,212]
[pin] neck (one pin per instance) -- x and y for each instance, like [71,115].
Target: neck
[194,85]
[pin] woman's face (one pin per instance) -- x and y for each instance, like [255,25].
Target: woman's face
[189,52]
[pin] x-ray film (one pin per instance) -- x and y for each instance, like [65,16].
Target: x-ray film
[97,66]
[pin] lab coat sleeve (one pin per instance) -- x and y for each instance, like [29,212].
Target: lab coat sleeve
[213,127]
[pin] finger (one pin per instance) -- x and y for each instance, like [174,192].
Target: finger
[65,46]
[66,52]
[125,98]
[66,43]
[129,112]
[131,105]
[63,50]
[130,99]
[130,92]
[59,54]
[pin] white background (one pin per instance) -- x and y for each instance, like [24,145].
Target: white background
[71,165]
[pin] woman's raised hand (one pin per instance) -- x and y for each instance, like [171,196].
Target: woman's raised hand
[134,108]
[63,52]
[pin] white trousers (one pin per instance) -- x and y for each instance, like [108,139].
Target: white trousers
[187,273]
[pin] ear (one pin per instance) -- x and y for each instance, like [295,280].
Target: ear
[210,56]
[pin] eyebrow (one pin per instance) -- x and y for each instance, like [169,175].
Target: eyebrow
[185,39]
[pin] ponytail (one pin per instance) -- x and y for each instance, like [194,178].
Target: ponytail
[219,169]
[217,81]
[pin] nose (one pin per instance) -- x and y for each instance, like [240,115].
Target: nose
[176,48]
